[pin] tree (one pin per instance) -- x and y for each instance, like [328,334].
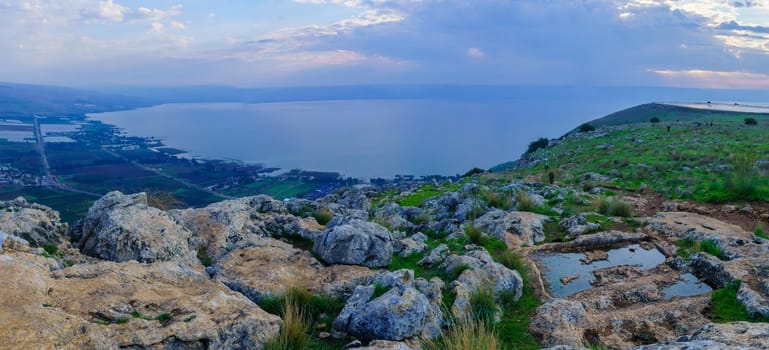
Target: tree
[474,171]
[654,120]
[542,142]
[587,127]
[751,121]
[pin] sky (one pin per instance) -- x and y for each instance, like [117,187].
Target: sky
[252,43]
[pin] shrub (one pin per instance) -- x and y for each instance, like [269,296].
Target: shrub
[502,201]
[474,171]
[525,202]
[483,306]
[293,331]
[751,121]
[464,335]
[535,145]
[654,120]
[323,215]
[551,177]
[473,233]
[587,127]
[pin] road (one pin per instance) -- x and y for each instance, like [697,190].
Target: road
[168,176]
[49,178]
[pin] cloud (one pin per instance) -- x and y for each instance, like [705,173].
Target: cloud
[144,13]
[475,52]
[107,11]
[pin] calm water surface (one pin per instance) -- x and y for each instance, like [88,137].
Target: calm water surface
[360,138]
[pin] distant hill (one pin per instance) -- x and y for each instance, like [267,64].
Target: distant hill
[666,113]
[25,100]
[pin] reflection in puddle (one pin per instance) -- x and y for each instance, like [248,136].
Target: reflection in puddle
[687,285]
[568,266]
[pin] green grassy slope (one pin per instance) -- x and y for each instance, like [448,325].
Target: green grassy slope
[668,113]
[708,163]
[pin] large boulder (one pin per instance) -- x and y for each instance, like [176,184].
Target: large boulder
[107,305]
[514,227]
[37,224]
[560,322]
[123,227]
[271,267]
[228,225]
[401,312]
[356,242]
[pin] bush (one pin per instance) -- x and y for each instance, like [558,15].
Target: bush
[502,201]
[751,121]
[474,171]
[464,335]
[542,142]
[474,234]
[654,120]
[587,127]
[50,249]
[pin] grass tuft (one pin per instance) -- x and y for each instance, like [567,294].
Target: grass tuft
[465,335]
[323,216]
[613,207]
[760,233]
[293,331]
[483,306]
[726,307]
[474,234]
[525,202]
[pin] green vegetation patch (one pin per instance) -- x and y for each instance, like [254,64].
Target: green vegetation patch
[689,246]
[726,307]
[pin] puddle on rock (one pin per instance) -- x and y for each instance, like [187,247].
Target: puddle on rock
[687,285]
[567,266]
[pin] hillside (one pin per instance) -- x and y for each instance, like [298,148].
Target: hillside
[26,100]
[668,113]
[642,238]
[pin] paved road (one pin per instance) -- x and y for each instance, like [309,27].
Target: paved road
[49,178]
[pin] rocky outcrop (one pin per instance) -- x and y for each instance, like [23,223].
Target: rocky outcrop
[401,312]
[123,227]
[271,267]
[711,270]
[605,239]
[560,322]
[356,242]
[239,223]
[736,335]
[37,224]
[411,245]
[517,227]
[128,305]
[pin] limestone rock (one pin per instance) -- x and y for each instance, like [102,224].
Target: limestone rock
[37,224]
[128,305]
[400,313]
[272,267]
[560,322]
[243,222]
[123,227]
[736,335]
[357,242]
[755,304]
[435,257]
[525,226]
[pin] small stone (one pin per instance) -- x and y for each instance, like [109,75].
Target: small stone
[324,335]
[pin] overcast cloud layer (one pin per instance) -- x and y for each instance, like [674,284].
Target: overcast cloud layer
[719,44]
